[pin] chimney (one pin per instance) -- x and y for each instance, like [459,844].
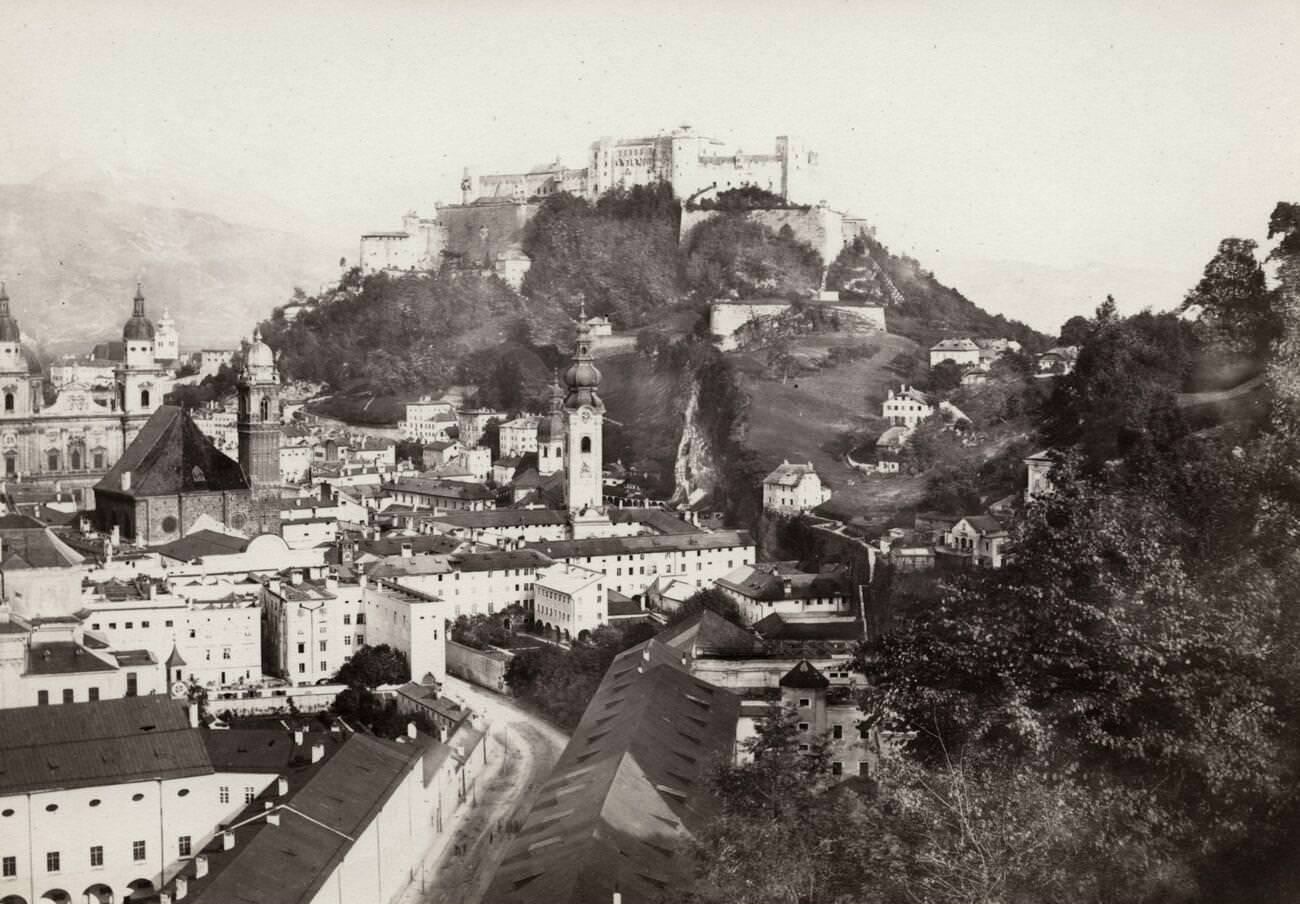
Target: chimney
[227,840]
[787,587]
[410,730]
[273,818]
[164,897]
[317,752]
[181,888]
[200,866]
[115,537]
[126,481]
[407,550]
[281,786]
[295,577]
[332,581]
[297,737]
[194,715]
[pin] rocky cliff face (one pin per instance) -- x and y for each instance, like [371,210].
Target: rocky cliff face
[695,471]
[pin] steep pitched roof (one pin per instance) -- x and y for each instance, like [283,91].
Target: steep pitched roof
[628,792]
[789,475]
[27,543]
[170,455]
[706,630]
[805,675]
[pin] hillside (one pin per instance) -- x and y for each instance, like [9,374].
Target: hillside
[72,257]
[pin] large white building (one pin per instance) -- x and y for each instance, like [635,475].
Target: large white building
[793,489]
[907,407]
[428,421]
[570,600]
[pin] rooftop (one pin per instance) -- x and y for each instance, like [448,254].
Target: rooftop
[610,546]
[171,455]
[789,475]
[202,543]
[106,742]
[64,658]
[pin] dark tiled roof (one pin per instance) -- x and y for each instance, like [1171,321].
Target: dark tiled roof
[446,489]
[621,606]
[774,627]
[78,745]
[658,520]
[495,561]
[202,543]
[709,630]
[761,584]
[503,518]
[251,749]
[629,791]
[805,675]
[64,658]
[611,546]
[30,544]
[170,455]
[290,862]
[421,543]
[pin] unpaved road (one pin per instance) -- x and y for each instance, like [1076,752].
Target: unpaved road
[461,872]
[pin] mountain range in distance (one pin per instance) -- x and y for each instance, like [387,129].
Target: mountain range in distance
[74,242]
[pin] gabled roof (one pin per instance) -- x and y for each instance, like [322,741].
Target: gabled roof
[629,791]
[171,455]
[707,630]
[202,543]
[774,627]
[789,475]
[985,524]
[609,546]
[64,658]
[805,675]
[768,583]
[954,345]
[101,743]
[27,543]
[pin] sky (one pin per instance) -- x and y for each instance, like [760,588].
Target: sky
[1032,154]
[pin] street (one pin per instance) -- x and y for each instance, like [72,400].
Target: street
[525,747]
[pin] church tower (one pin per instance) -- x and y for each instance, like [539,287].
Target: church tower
[259,420]
[584,416]
[140,384]
[19,393]
[551,434]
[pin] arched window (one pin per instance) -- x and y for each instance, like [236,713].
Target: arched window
[52,460]
[9,401]
[11,464]
[99,461]
[586,444]
[266,410]
[144,398]
[76,459]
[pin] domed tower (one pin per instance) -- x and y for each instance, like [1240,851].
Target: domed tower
[584,415]
[139,379]
[16,385]
[551,434]
[259,418]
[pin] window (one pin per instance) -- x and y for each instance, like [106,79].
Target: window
[347,619]
[94,694]
[99,461]
[322,646]
[132,684]
[249,793]
[11,464]
[137,851]
[837,768]
[144,624]
[144,398]
[223,794]
[804,701]
[9,867]
[361,616]
[347,640]
[69,695]
[52,461]
[168,623]
[803,726]
[837,731]
[323,666]
[586,444]
[302,648]
[52,861]
[9,401]
[76,459]
[42,698]
[183,846]
[862,768]
[302,667]
[225,652]
[97,855]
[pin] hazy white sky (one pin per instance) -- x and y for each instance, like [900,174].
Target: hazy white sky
[1062,134]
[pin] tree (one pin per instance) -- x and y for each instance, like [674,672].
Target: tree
[361,706]
[370,667]
[1075,331]
[1233,299]
[944,377]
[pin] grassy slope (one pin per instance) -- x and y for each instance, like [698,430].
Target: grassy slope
[801,419]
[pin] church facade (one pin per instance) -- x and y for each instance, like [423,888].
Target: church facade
[79,436]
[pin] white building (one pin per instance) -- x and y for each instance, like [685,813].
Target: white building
[110,800]
[467,583]
[518,436]
[793,489]
[427,421]
[167,340]
[570,600]
[761,590]
[1038,467]
[959,351]
[907,407]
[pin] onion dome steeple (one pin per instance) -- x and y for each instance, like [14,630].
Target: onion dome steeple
[9,331]
[582,378]
[551,426]
[138,328]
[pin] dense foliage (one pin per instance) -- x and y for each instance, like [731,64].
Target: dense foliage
[731,256]
[370,667]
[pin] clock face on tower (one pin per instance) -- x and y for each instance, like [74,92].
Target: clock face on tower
[585,414]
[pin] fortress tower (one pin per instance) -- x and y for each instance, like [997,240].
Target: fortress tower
[584,415]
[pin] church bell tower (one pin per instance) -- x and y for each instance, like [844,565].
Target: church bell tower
[258,425]
[584,417]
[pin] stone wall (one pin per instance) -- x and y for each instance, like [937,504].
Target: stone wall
[486,668]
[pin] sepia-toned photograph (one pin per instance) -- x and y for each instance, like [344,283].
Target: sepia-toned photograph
[731,452]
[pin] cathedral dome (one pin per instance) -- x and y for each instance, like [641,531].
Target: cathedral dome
[138,328]
[9,331]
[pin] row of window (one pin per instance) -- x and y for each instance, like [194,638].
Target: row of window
[128,626]
[223,794]
[54,859]
[92,694]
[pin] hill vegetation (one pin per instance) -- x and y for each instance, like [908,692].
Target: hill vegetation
[1111,716]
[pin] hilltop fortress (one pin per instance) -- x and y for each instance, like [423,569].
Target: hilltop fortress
[484,231]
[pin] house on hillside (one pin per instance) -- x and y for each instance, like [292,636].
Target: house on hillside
[1057,362]
[979,538]
[889,449]
[793,489]
[1038,467]
[907,407]
[961,352]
